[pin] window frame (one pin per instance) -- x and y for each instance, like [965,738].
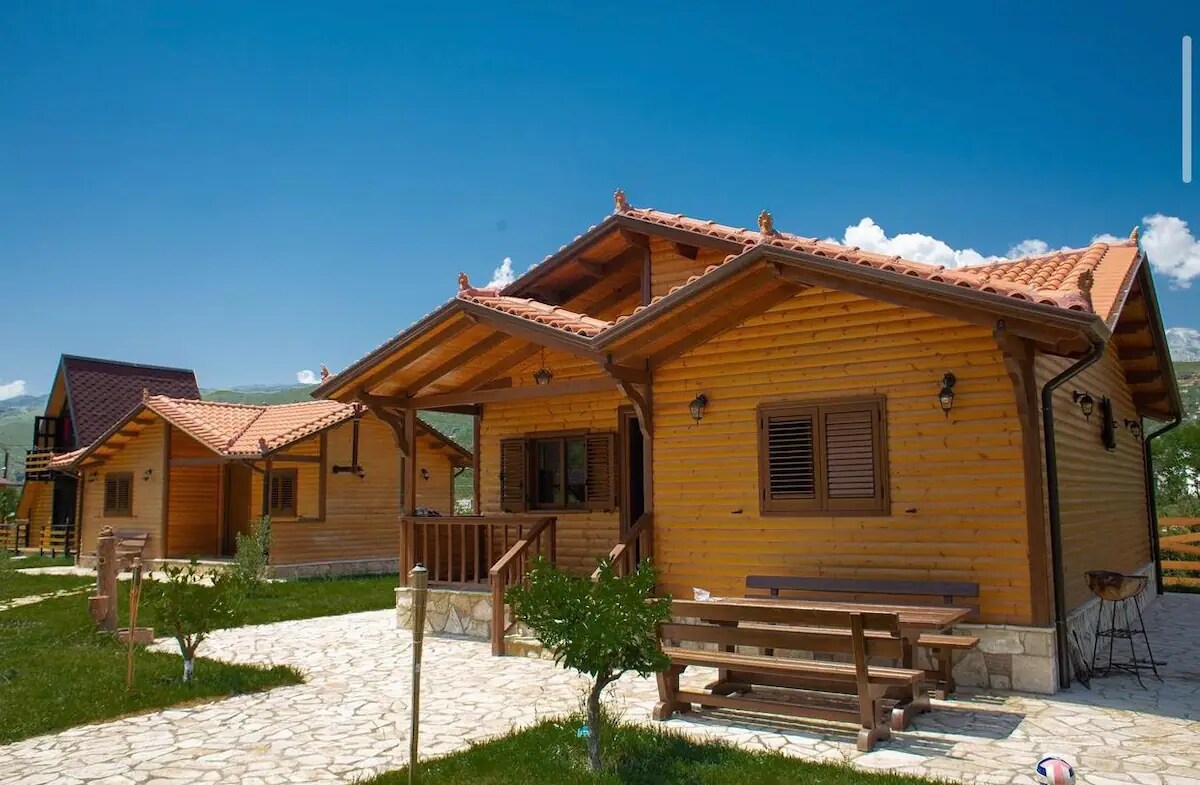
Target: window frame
[822,505]
[117,512]
[284,513]
[532,441]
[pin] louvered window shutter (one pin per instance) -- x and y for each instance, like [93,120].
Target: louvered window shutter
[110,495]
[274,494]
[601,471]
[851,437]
[118,494]
[513,475]
[789,467]
[823,457]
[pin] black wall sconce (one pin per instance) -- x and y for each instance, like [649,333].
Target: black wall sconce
[147,474]
[1135,427]
[697,406]
[424,473]
[1108,427]
[946,394]
[1086,403]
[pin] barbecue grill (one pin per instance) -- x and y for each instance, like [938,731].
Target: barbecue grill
[1120,591]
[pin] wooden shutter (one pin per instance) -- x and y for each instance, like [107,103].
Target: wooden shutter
[118,494]
[283,492]
[788,466]
[852,439]
[514,473]
[601,449]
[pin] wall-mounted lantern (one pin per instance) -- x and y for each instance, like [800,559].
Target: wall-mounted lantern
[946,394]
[146,475]
[1086,403]
[697,406]
[1135,427]
[424,473]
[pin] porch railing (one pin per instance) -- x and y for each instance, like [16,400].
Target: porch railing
[13,535]
[636,546]
[37,464]
[460,551]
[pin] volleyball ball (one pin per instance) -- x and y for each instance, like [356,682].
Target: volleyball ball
[1054,771]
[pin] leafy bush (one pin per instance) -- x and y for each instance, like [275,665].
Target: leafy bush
[603,628]
[189,606]
[251,557]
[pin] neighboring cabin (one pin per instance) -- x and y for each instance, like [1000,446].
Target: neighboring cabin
[194,474]
[88,396]
[754,402]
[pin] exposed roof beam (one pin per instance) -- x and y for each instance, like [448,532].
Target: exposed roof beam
[553,390]
[1130,327]
[1136,352]
[457,361]
[532,331]
[687,251]
[418,349]
[1142,377]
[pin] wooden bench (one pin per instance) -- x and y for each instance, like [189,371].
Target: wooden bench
[849,691]
[941,646]
[129,545]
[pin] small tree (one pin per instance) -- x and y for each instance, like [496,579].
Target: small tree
[9,499]
[189,609]
[603,628]
[251,556]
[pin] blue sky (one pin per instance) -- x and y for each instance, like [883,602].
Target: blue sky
[252,189]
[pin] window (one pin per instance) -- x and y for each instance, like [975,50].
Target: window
[118,494]
[283,493]
[563,472]
[823,457]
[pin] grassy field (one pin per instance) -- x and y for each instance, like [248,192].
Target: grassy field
[56,672]
[305,599]
[34,560]
[551,752]
[14,583]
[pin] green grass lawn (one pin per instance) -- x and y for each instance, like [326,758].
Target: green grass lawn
[56,672]
[14,583]
[34,560]
[551,752]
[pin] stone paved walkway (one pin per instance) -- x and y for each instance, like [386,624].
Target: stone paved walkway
[349,720]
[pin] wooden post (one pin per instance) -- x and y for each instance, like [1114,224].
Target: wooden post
[418,579]
[476,426]
[104,604]
[266,493]
[410,462]
[135,597]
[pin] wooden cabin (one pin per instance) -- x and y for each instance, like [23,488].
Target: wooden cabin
[87,398]
[739,401]
[193,474]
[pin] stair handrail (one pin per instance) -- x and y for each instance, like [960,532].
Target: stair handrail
[501,572]
[624,556]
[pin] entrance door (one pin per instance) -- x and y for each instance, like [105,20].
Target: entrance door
[633,466]
[237,506]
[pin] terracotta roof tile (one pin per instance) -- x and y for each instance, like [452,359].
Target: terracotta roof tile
[535,311]
[238,429]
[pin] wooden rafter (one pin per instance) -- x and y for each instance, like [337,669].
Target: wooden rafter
[554,389]
[687,251]
[1142,377]
[475,350]
[523,328]
[418,349]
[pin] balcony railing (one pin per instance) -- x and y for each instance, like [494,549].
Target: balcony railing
[37,464]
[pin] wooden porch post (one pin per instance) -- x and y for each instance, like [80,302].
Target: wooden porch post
[408,481]
[266,492]
[222,528]
[475,462]
[166,491]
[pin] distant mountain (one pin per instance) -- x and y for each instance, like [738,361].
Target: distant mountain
[1184,343]
[261,393]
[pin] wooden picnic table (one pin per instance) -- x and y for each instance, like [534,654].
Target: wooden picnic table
[914,619]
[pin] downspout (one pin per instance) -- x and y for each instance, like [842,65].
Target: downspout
[1151,505]
[1056,547]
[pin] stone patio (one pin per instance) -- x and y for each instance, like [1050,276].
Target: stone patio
[350,719]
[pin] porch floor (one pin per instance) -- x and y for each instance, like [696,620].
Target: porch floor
[349,719]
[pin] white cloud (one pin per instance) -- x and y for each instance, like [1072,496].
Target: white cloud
[306,377]
[503,275]
[12,389]
[1171,248]
[870,236]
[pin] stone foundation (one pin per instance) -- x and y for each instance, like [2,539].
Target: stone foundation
[1025,658]
[449,612]
[326,569]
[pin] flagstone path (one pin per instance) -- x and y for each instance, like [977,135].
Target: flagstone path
[349,720]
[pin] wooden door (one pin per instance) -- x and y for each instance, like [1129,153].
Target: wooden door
[237,506]
[631,462]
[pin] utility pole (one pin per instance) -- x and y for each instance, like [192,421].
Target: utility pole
[6,463]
